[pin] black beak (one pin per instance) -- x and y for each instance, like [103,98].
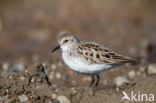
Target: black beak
[57,47]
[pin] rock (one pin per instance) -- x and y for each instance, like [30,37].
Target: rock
[53,66]
[119,81]
[22,78]
[23,98]
[33,80]
[5,66]
[53,96]
[73,91]
[19,67]
[131,74]
[58,75]
[151,69]
[62,99]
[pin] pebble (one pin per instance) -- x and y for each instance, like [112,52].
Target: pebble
[62,99]
[32,80]
[5,66]
[23,98]
[53,96]
[18,67]
[151,69]
[58,75]
[22,78]
[131,74]
[53,67]
[120,80]
[73,91]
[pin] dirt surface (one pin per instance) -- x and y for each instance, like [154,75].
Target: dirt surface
[33,85]
[29,73]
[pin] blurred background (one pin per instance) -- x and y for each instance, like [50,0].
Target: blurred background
[29,31]
[29,28]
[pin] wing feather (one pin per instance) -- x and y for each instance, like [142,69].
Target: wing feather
[98,54]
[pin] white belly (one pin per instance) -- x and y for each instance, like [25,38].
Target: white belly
[80,65]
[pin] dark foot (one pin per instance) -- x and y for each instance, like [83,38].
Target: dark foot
[98,79]
[93,80]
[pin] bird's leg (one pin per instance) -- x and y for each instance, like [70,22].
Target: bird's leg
[98,79]
[93,80]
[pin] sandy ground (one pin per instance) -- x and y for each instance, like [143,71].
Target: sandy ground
[34,85]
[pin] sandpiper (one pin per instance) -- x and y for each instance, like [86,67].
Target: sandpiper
[88,57]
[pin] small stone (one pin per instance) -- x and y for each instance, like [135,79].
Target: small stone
[22,78]
[23,98]
[62,99]
[53,66]
[53,96]
[151,69]
[58,75]
[131,74]
[32,80]
[5,66]
[73,91]
[119,81]
[18,67]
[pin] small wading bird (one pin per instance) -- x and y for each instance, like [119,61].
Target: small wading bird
[88,58]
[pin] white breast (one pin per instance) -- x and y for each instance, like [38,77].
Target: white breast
[79,64]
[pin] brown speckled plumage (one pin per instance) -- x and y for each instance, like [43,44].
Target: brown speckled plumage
[95,53]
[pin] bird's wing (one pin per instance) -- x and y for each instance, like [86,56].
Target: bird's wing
[97,54]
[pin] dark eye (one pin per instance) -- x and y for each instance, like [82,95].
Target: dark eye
[65,41]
